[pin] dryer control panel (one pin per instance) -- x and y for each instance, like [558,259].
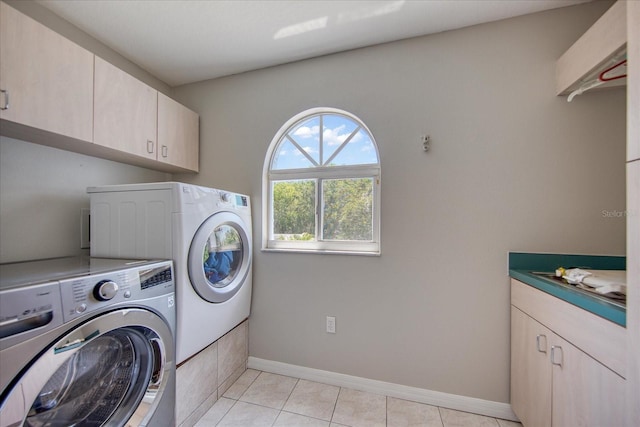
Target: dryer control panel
[233,201]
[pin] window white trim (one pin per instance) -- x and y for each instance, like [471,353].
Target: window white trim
[319,172]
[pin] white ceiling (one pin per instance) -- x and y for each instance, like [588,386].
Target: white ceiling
[184,41]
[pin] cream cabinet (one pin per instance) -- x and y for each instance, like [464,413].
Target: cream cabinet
[554,382]
[133,118]
[592,52]
[633,208]
[530,370]
[633,88]
[177,134]
[125,112]
[46,81]
[53,92]
[585,392]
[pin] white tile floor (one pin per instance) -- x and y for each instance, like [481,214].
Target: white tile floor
[265,399]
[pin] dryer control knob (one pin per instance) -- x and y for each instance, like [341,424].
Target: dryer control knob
[105,290]
[225,197]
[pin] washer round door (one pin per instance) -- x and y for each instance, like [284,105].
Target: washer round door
[107,371]
[219,257]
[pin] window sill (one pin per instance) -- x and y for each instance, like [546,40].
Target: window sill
[321,251]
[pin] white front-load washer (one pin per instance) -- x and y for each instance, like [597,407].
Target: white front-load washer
[205,231]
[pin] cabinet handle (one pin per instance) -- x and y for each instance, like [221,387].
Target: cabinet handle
[149,146]
[541,349]
[165,151]
[553,355]
[6,99]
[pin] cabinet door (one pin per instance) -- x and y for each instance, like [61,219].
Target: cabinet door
[125,115]
[47,80]
[178,134]
[585,392]
[530,370]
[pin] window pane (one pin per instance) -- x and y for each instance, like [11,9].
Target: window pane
[321,180]
[348,209]
[294,209]
[336,129]
[289,157]
[307,136]
[359,151]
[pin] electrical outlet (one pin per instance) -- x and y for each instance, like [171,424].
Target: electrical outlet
[331,324]
[85,230]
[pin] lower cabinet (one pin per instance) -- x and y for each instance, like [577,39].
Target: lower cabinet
[554,383]
[531,385]
[585,392]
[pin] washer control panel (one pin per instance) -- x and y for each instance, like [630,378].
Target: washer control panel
[84,294]
[105,290]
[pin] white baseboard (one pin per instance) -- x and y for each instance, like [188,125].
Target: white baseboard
[429,397]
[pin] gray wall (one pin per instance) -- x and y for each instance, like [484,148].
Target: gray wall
[42,191]
[512,168]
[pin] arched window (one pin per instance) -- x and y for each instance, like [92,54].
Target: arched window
[321,185]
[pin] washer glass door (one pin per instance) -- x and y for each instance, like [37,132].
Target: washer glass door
[219,257]
[107,375]
[100,372]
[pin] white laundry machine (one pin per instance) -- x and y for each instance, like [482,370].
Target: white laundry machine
[205,231]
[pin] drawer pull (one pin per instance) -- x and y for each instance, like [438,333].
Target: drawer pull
[539,339]
[555,350]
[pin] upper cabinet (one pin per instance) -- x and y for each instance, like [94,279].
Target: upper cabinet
[177,134]
[54,92]
[125,112]
[45,79]
[633,89]
[602,46]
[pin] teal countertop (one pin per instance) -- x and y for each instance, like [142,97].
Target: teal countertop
[523,265]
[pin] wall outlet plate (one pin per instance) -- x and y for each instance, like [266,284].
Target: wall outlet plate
[331,324]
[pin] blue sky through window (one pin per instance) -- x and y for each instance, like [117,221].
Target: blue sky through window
[300,147]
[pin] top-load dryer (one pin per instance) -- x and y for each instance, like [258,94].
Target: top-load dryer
[205,231]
